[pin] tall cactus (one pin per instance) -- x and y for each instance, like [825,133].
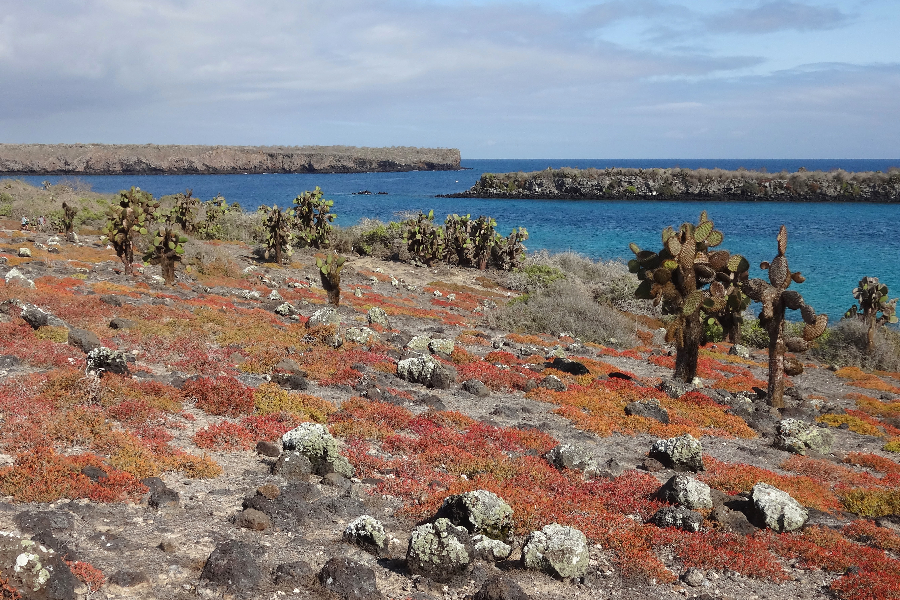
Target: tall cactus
[68,220]
[312,218]
[873,299]
[127,220]
[185,211]
[776,298]
[677,277]
[167,248]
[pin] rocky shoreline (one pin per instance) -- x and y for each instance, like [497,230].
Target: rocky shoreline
[152,159]
[687,185]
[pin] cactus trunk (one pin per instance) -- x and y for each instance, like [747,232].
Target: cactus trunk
[777,348]
[688,349]
[731,327]
[870,333]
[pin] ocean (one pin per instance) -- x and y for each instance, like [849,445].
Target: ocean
[832,244]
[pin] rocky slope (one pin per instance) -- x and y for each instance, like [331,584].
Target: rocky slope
[687,184]
[172,480]
[152,159]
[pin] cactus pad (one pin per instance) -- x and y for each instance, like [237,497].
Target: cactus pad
[811,332]
[792,299]
[779,275]
[795,344]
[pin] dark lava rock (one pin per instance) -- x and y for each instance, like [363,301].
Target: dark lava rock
[37,317]
[349,580]
[83,339]
[298,503]
[500,588]
[121,323]
[293,466]
[111,300]
[253,519]
[650,409]
[290,381]
[432,401]
[476,388]
[294,574]
[678,517]
[336,480]
[8,361]
[161,496]
[553,383]
[94,473]
[267,448]
[618,375]
[674,388]
[234,564]
[104,360]
[651,465]
[572,367]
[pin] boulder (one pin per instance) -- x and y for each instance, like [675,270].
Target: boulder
[683,453]
[419,343]
[367,532]
[121,323]
[649,409]
[254,520]
[293,466]
[274,296]
[377,316]
[324,316]
[568,456]
[286,309]
[572,367]
[776,509]
[476,388]
[347,579]
[160,496]
[674,388]
[442,347]
[235,565]
[360,335]
[319,446]
[479,511]
[499,587]
[24,253]
[553,383]
[439,550]
[426,371]
[558,550]
[678,517]
[489,549]
[83,339]
[16,277]
[104,360]
[38,317]
[35,569]
[792,366]
[686,491]
[799,437]
[739,351]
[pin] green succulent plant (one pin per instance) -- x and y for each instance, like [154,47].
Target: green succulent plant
[330,274]
[776,298]
[185,211]
[277,229]
[128,218]
[686,279]
[167,248]
[312,218]
[507,252]
[210,227]
[872,297]
[423,239]
[458,243]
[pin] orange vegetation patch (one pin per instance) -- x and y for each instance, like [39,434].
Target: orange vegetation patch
[728,377]
[860,378]
[600,408]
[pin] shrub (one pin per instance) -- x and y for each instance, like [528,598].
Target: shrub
[566,306]
[223,396]
[845,345]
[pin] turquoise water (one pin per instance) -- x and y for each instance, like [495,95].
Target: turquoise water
[832,244]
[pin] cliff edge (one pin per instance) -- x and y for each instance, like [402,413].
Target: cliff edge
[152,159]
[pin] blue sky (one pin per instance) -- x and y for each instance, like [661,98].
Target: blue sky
[540,79]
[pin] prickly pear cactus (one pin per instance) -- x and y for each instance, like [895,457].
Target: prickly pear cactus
[873,299]
[330,273]
[482,240]
[277,229]
[423,239]
[167,248]
[508,252]
[458,243]
[68,220]
[185,211]
[776,298]
[685,278]
[312,218]
[210,227]
[128,219]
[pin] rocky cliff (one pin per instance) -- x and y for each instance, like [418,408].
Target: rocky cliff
[687,184]
[148,159]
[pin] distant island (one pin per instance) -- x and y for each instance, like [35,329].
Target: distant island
[689,184]
[152,159]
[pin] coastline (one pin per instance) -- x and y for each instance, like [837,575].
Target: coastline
[152,159]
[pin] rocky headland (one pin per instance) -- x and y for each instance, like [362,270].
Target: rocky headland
[689,184]
[153,159]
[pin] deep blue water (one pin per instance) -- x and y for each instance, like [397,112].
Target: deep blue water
[832,244]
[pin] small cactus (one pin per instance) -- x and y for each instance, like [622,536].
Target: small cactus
[127,220]
[873,299]
[330,273]
[277,228]
[776,298]
[68,220]
[167,248]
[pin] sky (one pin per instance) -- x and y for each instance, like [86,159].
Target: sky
[496,79]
